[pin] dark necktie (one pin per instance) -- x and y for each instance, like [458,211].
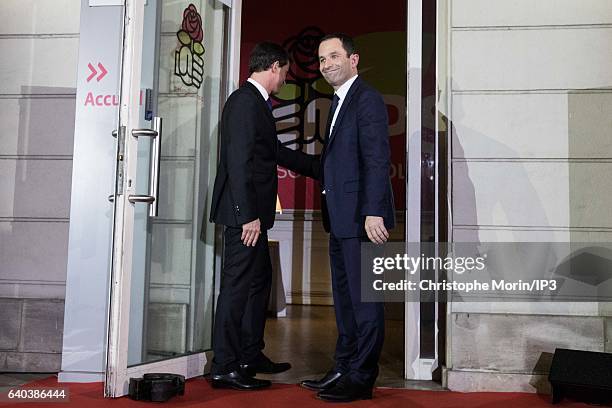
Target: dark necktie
[330,118]
[269,102]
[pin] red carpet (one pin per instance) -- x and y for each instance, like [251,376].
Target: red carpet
[198,393]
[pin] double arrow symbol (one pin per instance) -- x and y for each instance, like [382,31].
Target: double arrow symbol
[103,72]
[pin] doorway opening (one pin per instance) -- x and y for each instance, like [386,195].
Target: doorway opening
[304,331]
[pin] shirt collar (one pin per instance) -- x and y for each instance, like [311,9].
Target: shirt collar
[260,88]
[343,90]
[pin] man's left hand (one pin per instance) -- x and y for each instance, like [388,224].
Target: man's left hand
[375,228]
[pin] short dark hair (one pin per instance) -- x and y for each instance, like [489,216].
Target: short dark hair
[265,54]
[347,42]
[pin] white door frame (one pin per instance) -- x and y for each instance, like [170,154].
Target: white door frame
[415,367]
[117,371]
[235,35]
[123,232]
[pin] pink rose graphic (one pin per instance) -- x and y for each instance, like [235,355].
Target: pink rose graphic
[192,23]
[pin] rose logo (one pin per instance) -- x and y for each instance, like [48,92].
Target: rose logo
[192,23]
[303,48]
[188,62]
[304,100]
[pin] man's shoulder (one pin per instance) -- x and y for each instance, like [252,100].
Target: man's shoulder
[242,95]
[365,88]
[244,91]
[367,96]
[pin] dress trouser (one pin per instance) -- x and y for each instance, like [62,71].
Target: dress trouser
[240,316]
[361,325]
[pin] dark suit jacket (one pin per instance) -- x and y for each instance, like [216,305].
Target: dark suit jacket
[356,165]
[246,182]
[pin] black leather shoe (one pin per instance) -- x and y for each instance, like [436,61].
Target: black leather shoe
[238,381]
[264,367]
[325,383]
[346,391]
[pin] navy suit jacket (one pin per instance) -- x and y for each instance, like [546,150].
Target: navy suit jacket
[356,165]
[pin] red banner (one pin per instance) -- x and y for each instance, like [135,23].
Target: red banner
[302,105]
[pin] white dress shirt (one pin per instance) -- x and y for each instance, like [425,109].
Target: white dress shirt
[260,88]
[341,92]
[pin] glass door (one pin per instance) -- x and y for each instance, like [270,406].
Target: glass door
[163,259]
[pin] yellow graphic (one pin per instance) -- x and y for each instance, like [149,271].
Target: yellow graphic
[188,62]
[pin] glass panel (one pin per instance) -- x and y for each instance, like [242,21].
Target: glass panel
[428,168]
[172,275]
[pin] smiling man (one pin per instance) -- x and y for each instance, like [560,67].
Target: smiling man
[357,205]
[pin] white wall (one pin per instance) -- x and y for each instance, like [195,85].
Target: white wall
[531,107]
[39,43]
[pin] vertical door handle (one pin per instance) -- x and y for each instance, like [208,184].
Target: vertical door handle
[153,197]
[155,160]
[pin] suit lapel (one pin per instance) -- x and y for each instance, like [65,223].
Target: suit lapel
[343,109]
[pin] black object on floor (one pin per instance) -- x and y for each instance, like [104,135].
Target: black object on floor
[581,375]
[157,387]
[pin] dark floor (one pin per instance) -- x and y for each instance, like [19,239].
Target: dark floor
[307,338]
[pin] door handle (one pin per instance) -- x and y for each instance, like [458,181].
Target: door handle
[155,160]
[153,197]
[135,198]
[144,132]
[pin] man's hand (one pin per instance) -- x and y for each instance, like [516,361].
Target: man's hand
[250,232]
[375,228]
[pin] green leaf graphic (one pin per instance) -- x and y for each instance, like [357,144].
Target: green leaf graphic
[289,92]
[198,48]
[321,86]
[183,37]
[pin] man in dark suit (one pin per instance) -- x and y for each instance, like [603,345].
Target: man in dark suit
[357,202]
[244,201]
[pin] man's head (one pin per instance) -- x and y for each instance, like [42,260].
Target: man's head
[268,65]
[338,59]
